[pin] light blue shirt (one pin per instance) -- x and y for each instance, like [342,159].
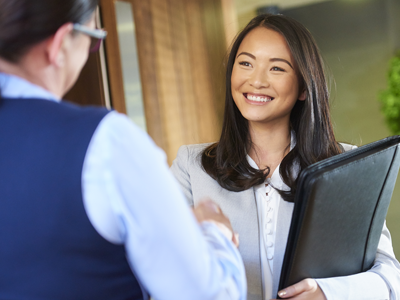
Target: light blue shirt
[131,198]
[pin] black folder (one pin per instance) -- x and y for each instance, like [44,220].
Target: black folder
[340,208]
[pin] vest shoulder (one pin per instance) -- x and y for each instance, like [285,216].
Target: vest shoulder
[46,106]
[83,109]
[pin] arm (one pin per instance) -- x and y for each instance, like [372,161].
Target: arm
[173,257]
[382,281]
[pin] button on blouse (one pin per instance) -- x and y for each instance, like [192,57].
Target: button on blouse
[268,200]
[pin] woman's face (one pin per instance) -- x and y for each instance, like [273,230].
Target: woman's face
[264,83]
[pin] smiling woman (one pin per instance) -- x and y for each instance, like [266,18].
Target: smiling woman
[276,123]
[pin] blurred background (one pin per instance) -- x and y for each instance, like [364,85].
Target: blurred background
[163,65]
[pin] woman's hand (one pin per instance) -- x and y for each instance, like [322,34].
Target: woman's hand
[305,289]
[207,210]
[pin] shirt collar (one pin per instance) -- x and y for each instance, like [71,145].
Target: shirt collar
[276,180]
[16,87]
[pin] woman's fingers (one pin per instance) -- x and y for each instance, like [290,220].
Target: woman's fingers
[298,288]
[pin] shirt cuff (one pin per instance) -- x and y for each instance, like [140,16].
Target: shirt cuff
[362,286]
[235,285]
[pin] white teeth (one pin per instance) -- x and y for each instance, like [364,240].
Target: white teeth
[258,98]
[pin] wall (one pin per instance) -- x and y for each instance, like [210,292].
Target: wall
[181,48]
[246,8]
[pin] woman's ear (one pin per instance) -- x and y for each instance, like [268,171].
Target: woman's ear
[55,45]
[303,95]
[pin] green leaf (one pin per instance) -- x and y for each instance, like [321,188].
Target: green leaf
[390,98]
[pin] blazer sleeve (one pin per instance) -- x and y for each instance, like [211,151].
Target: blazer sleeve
[386,265]
[382,281]
[180,169]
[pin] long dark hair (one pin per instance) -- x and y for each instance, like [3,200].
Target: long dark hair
[226,161]
[24,23]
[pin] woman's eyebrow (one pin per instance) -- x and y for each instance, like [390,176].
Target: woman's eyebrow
[283,60]
[248,54]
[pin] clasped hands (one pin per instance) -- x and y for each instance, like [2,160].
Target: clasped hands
[306,289]
[207,210]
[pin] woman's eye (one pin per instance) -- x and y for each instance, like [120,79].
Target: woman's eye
[245,63]
[277,69]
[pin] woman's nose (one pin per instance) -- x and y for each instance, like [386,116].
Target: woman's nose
[258,79]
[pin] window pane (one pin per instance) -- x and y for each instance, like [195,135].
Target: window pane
[130,64]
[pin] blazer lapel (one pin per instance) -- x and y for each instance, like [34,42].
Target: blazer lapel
[282,232]
[241,207]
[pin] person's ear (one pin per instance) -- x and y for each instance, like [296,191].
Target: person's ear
[303,95]
[55,45]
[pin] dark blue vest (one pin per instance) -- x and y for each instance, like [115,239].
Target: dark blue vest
[48,247]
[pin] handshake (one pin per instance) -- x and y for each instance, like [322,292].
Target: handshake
[209,211]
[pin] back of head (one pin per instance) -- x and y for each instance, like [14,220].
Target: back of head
[24,23]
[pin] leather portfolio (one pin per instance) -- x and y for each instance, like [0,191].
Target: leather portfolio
[340,209]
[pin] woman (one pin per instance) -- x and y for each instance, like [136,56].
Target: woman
[276,123]
[77,196]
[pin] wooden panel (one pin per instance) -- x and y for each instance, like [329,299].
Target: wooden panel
[181,46]
[231,26]
[88,89]
[107,11]
[212,19]
[206,113]
[166,76]
[185,82]
[186,92]
[147,64]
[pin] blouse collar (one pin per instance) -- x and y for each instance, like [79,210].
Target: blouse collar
[12,86]
[276,180]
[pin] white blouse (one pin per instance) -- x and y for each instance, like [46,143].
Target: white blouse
[268,200]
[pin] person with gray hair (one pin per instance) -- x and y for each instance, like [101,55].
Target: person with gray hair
[88,208]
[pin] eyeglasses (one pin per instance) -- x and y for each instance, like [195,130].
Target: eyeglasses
[96,35]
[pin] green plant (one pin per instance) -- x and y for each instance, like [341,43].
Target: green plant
[390,98]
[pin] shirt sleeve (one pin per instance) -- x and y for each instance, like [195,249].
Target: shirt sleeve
[382,281]
[131,198]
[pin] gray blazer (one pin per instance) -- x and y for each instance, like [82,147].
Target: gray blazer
[241,209]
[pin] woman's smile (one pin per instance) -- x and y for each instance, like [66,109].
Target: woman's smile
[257,98]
